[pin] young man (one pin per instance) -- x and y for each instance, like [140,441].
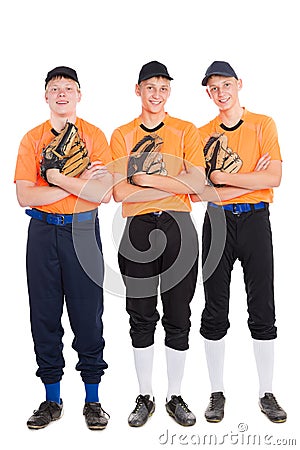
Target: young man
[64,256]
[159,244]
[243,221]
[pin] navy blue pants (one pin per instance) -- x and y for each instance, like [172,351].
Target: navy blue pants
[159,252]
[65,264]
[226,238]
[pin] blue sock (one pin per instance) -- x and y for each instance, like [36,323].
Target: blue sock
[53,392]
[91,392]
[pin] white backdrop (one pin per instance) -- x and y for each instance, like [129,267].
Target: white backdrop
[107,43]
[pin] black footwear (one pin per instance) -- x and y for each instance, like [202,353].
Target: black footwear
[47,412]
[95,417]
[271,409]
[215,410]
[143,410]
[180,412]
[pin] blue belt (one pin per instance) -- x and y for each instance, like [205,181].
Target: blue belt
[238,208]
[59,219]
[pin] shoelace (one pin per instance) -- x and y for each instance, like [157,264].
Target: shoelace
[97,409]
[183,405]
[139,403]
[213,401]
[106,413]
[273,400]
[44,408]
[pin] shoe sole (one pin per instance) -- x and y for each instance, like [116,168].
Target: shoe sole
[214,420]
[97,427]
[32,427]
[150,414]
[40,427]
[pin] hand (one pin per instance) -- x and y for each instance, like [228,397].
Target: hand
[263,163]
[141,179]
[52,175]
[218,177]
[94,171]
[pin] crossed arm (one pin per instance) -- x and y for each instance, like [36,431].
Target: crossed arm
[187,182]
[94,185]
[155,187]
[267,174]
[262,179]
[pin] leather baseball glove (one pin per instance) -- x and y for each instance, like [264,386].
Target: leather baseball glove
[146,157]
[219,157]
[66,152]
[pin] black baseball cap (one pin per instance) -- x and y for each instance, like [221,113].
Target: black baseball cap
[219,68]
[153,69]
[62,71]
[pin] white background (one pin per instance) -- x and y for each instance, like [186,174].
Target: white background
[107,43]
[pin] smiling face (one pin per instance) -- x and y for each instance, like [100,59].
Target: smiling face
[224,91]
[154,94]
[62,96]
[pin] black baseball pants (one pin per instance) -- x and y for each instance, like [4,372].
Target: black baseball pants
[246,237]
[159,252]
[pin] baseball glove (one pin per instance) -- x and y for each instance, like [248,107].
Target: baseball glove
[219,157]
[146,157]
[66,152]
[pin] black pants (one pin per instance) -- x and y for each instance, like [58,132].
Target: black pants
[159,249]
[65,263]
[247,237]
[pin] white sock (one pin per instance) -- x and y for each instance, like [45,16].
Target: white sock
[264,357]
[143,359]
[215,354]
[175,369]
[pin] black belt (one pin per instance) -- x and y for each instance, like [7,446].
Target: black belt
[59,219]
[239,208]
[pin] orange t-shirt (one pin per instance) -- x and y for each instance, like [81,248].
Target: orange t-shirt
[181,142]
[29,156]
[255,136]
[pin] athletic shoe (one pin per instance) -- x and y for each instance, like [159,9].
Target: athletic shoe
[271,409]
[180,412]
[47,412]
[143,410]
[95,417]
[215,410]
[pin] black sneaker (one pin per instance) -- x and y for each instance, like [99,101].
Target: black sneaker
[215,410]
[143,410]
[180,412]
[95,417]
[271,409]
[47,412]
